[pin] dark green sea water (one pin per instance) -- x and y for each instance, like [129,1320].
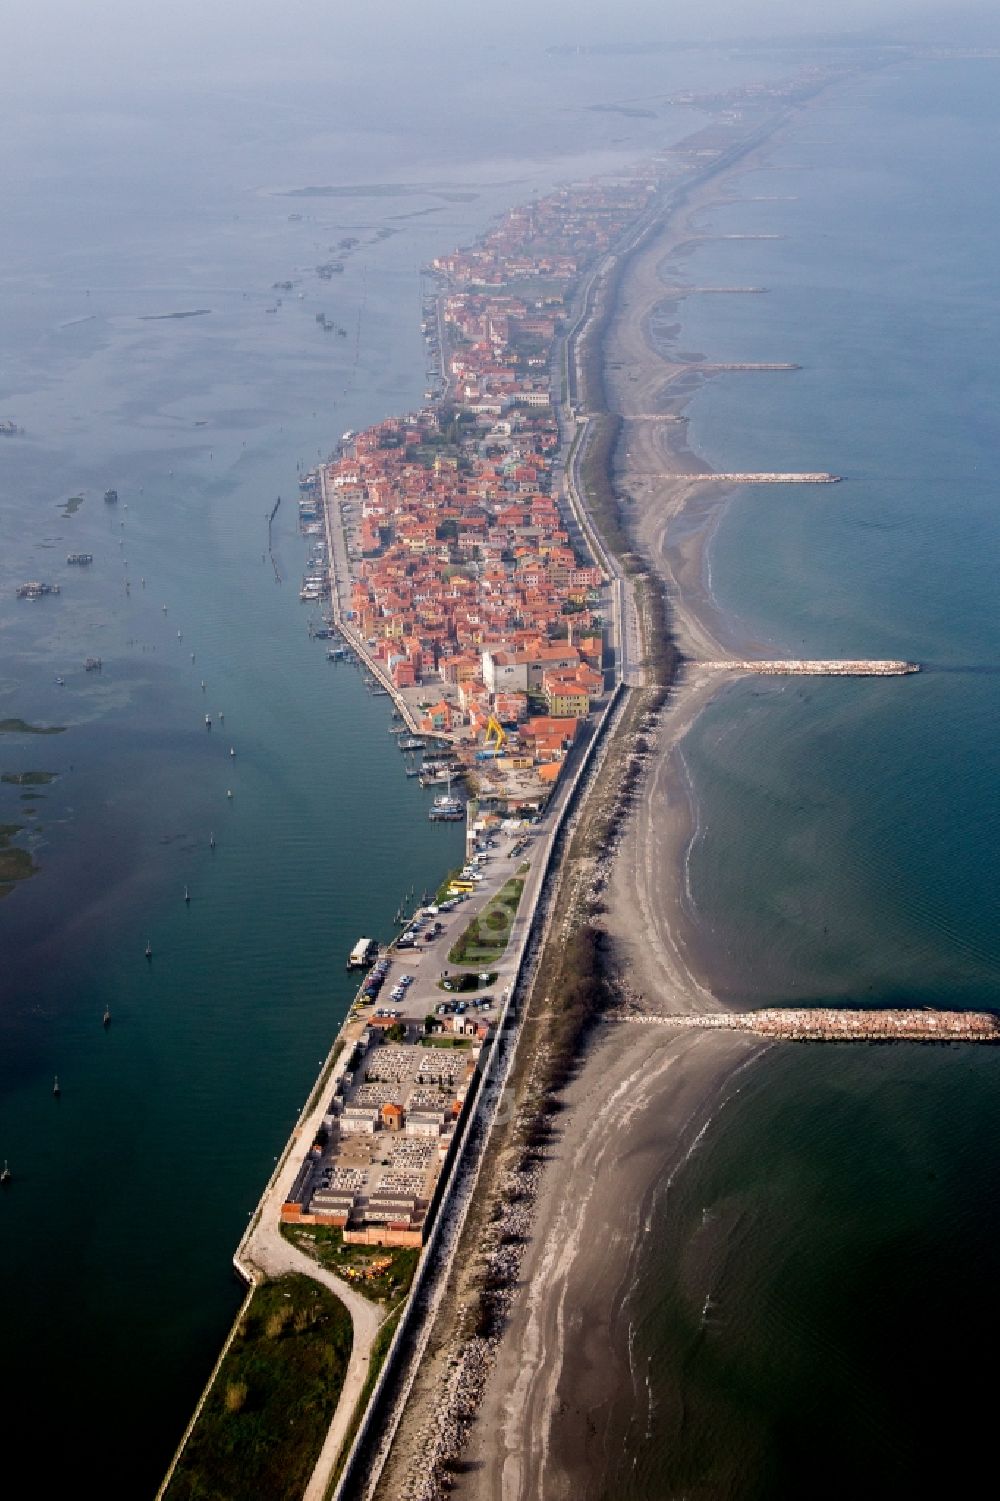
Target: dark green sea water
[840,1215]
[815,1318]
[846,829]
[138,191]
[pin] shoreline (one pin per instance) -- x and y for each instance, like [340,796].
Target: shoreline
[603,1141]
[546,1426]
[549,1423]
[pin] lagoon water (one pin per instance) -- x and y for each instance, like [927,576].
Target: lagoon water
[819,1275]
[858,865]
[133,200]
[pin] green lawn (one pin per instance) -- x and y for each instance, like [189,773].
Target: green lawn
[382,1273]
[485,938]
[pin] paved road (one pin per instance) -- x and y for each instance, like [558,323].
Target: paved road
[271,1255]
[264,1251]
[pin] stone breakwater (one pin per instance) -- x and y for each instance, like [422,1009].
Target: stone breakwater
[833,1024]
[460,1395]
[816,668]
[769,478]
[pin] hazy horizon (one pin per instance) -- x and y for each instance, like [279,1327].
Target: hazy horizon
[56,46]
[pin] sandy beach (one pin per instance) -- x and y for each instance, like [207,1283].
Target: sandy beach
[635,1112]
[550,1425]
[541,1409]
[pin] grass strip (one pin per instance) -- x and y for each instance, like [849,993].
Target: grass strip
[380,1348]
[264,1421]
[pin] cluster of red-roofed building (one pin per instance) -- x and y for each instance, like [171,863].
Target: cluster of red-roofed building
[464,582]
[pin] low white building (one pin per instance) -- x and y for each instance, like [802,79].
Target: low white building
[358,1122]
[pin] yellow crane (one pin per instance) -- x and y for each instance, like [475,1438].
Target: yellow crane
[496,732]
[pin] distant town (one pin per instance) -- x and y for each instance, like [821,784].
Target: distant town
[469,589]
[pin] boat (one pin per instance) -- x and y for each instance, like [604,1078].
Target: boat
[232,750]
[211,841]
[446,809]
[92,664]
[208,721]
[107,1016]
[187,894]
[36,589]
[111,496]
[55,1087]
[6,1175]
[411,744]
[363,954]
[149,949]
[80,557]
[229,792]
[61,681]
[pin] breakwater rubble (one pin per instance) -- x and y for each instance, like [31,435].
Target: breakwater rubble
[817,668]
[768,477]
[840,1024]
[460,1395]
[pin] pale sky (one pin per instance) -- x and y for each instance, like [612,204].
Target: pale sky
[75,44]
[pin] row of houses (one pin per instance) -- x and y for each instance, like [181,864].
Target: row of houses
[463,572]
